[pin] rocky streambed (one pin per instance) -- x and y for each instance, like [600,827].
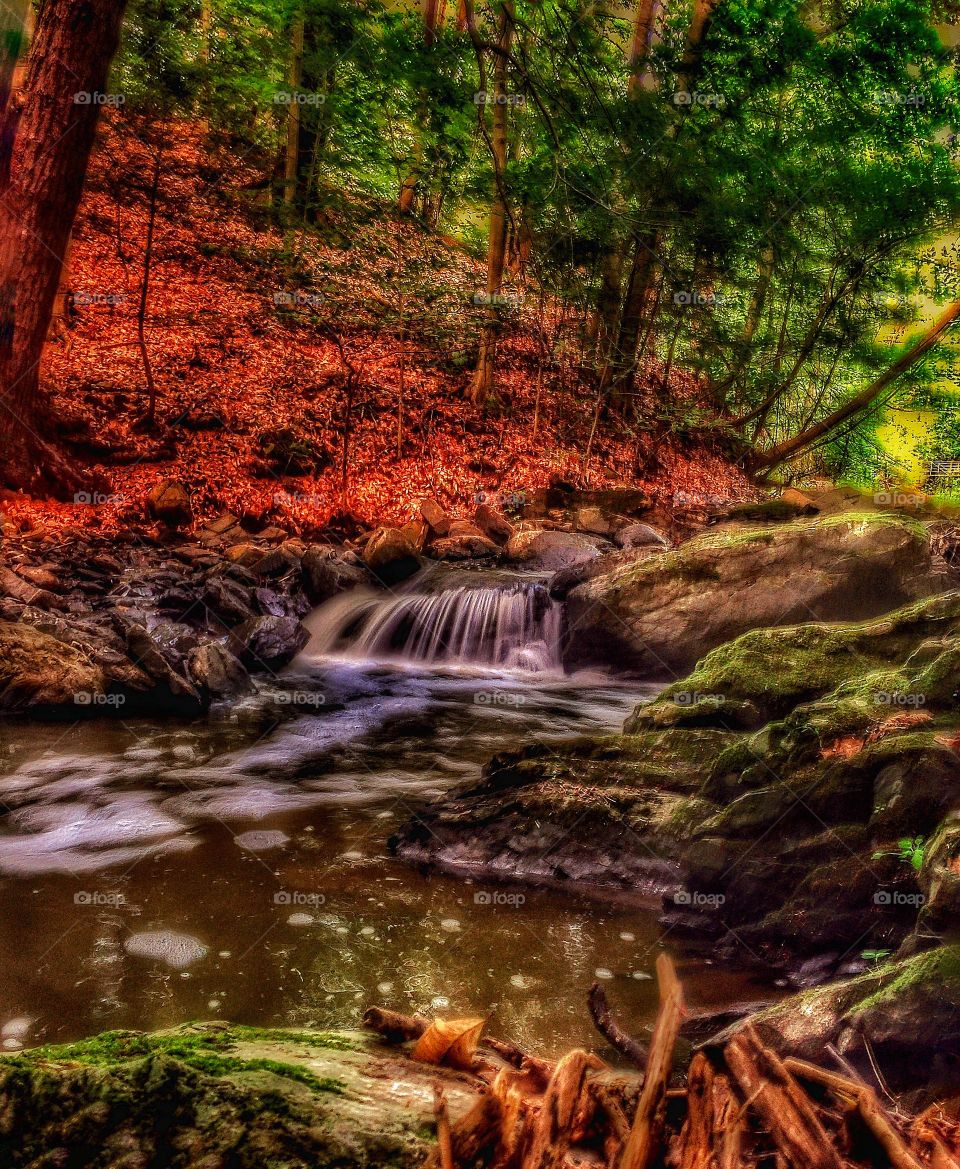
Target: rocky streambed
[788,803]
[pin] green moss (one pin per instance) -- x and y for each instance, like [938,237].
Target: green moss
[936,970]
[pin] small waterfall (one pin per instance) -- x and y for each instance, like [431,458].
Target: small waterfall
[514,626]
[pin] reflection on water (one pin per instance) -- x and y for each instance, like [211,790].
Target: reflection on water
[236,867]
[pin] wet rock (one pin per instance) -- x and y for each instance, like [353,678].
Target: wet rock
[417,532]
[227,600]
[169,503]
[25,593]
[939,879]
[592,519]
[268,643]
[549,551]
[435,518]
[327,572]
[390,556]
[215,669]
[493,524]
[663,614]
[172,690]
[567,579]
[912,794]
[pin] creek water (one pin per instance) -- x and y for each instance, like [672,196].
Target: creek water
[236,867]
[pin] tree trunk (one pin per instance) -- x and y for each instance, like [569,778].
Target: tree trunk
[44,168]
[621,367]
[647,11]
[483,386]
[294,77]
[862,401]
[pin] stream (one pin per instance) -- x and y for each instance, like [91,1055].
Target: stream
[236,867]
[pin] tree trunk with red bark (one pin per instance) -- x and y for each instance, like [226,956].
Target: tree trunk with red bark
[43,164]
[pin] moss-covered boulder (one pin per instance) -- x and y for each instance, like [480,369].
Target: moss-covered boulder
[212,1095]
[661,615]
[903,1017]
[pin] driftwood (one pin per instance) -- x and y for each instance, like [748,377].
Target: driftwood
[630,1048]
[646,1133]
[742,1108]
[780,1103]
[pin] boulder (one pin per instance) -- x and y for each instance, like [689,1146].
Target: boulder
[464,546]
[267,643]
[214,668]
[169,503]
[493,524]
[435,518]
[172,691]
[940,881]
[326,572]
[661,615]
[567,579]
[549,551]
[417,532]
[244,1097]
[390,556]
[592,519]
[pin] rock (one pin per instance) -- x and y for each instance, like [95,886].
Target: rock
[27,594]
[547,551]
[417,532]
[327,572]
[267,643]
[592,519]
[169,503]
[227,600]
[239,1096]
[567,579]
[463,547]
[435,518]
[640,536]
[912,794]
[940,881]
[173,692]
[216,670]
[663,614]
[390,556]
[45,676]
[493,524]
[902,1017]
[797,499]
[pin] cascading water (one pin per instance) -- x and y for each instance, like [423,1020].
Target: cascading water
[515,626]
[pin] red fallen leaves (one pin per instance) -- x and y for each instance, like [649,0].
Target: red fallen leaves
[243,338]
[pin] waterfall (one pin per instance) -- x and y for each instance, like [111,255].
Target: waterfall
[515,626]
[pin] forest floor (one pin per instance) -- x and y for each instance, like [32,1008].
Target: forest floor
[272,351]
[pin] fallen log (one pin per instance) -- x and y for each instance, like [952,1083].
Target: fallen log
[444,1138]
[780,1103]
[553,1126]
[647,1130]
[696,1136]
[393,1026]
[471,1136]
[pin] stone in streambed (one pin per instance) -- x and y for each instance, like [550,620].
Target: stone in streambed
[169,502]
[216,670]
[549,551]
[660,616]
[390,556]
[267,643]
[493,524]
[435,518]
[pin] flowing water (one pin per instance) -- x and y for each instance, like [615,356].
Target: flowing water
[236,867]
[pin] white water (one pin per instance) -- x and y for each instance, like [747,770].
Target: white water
[515,626]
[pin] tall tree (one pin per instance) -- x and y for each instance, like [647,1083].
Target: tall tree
[483,385]
[43,172]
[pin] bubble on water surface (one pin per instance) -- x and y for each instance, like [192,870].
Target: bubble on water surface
[520,982]
[178,951]
[450,924]
[628,937]
[300,919]
[261,840]
[602,972]
[641,975]
[384,987]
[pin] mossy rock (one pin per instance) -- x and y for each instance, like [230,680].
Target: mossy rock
[660,615]
[210,1094]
